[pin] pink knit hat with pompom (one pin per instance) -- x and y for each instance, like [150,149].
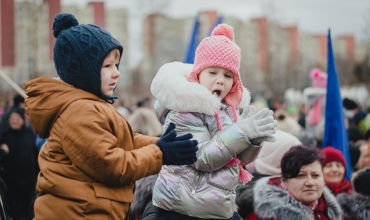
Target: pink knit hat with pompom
[319,78]
[220,50]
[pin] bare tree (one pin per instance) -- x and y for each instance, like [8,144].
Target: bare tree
[34,14]
[146,13]
[361,69]
[153,6]
[275,75]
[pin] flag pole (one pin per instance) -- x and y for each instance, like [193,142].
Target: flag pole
[193,42]
[13,84]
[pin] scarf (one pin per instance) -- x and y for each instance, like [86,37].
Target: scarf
[337,188]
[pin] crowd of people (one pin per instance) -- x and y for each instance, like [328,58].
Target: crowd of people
[200,148]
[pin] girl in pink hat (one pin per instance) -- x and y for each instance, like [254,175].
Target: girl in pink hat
[202,99]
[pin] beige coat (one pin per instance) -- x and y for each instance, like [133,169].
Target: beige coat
[91,159]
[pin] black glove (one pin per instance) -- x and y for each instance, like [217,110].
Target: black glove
[177,150]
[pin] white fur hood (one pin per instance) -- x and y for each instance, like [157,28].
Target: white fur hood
[173,90]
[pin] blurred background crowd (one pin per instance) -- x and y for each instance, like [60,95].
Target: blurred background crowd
[283,66]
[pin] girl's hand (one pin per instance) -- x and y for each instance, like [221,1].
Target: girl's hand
[257,125]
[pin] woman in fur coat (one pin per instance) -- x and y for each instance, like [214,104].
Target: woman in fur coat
[357,205]
[267,164]
[299,193]
[202,99]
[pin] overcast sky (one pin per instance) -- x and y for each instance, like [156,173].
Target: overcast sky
[315,16]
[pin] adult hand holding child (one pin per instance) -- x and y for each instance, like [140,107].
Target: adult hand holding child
[257,127]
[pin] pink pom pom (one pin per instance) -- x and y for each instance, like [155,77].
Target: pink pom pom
[315,73]
[244,176]
[224,30]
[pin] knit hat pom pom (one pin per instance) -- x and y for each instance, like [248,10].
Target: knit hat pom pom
[223,30]
[63,21]
[315,73]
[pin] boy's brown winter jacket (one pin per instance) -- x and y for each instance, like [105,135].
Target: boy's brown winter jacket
[91,159]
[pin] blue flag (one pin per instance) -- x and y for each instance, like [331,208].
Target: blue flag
[335,133]
[217,22]
[193,43]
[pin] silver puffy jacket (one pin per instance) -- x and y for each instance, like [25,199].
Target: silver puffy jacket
[206,189]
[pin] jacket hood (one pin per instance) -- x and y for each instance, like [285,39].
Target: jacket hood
[355,206]
[47,99]
[270,198]
[172,88]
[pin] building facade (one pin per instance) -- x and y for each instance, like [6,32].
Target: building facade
[274,57]
[27,40]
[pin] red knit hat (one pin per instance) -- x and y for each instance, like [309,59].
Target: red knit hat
[332,154]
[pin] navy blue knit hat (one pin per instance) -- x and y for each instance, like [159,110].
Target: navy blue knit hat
[79,53]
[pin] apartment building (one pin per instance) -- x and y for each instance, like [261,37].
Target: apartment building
[27,41]
[274,57]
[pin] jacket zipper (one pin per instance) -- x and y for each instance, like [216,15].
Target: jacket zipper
[196,182]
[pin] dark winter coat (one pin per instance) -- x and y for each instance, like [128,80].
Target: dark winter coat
[273,202]
[354,206]
[143,196]
[20,170]
[20,165]
[244,195]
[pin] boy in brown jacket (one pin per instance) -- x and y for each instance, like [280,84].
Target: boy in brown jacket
[92,158]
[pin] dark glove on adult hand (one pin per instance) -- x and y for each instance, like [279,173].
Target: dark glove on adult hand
[177,150]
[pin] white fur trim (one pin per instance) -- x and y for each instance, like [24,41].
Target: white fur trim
[246,99]
[313,91]
[173,90]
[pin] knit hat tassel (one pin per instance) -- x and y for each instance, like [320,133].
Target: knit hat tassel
[235,114]
[244,176]
[219,121]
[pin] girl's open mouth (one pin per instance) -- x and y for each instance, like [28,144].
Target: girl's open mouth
[217,92]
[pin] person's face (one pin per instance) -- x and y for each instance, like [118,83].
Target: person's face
[364,160]
[333,172]
[307,186]
[217,80]
[15,121]
[109,73]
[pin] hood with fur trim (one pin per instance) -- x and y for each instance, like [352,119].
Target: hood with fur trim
[354,206]
[173,90]
[272,202]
